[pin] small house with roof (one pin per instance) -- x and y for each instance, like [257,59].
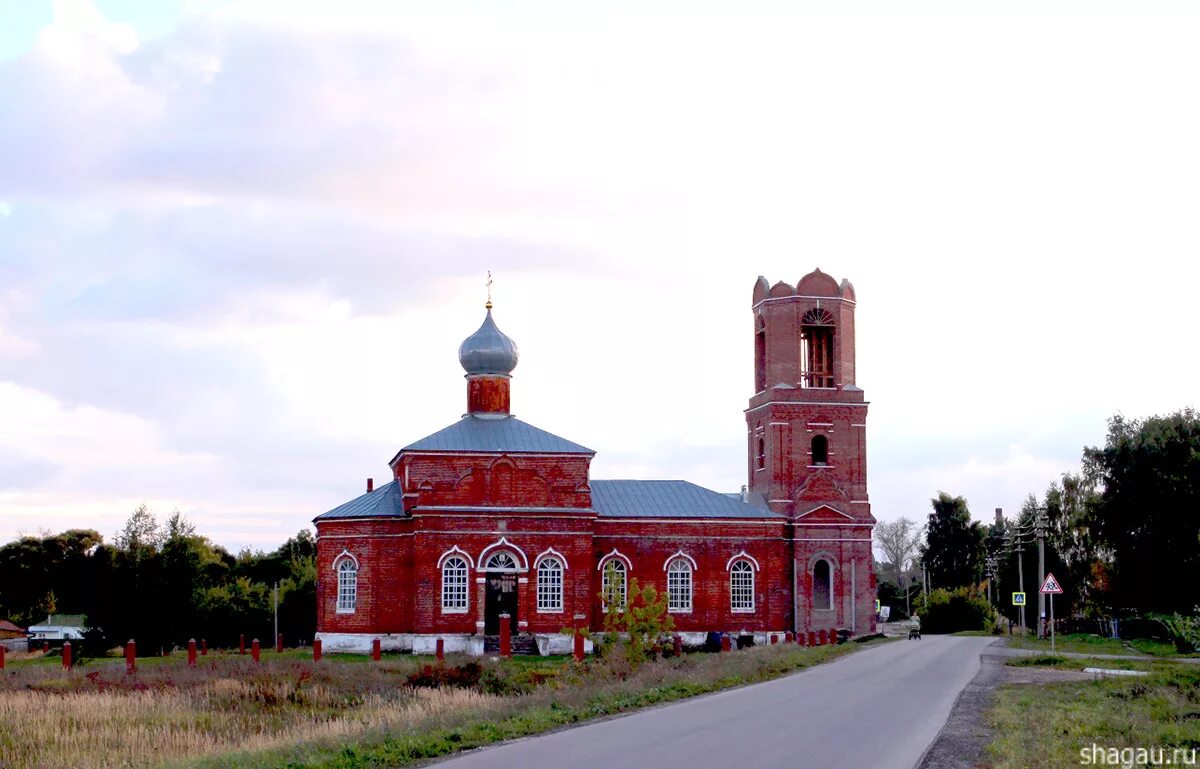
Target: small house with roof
[493,518]
[58,628]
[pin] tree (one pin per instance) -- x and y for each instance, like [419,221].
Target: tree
[899,541]
[954,550]
[637,621]
[1148,512]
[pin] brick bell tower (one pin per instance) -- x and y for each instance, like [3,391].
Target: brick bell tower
[806,433]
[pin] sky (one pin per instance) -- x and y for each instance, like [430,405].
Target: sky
[240,242]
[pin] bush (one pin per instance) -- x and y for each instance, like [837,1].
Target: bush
[951,611]
[437,676]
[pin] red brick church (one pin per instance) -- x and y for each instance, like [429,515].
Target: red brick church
[493,516]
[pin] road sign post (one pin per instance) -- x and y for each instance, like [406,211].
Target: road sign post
[1051,587]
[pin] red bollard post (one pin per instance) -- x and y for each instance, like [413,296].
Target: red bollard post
[677,645]
[505,636]
[822,638]
[788,637]
[242,643]
[45,647]
[578,648]
[130,656]
[774,639]
[192,653]
[279,643]
[726,645]
[812,638]
[376,649]
[255,649]
[67,655]
[441,650]
[317,650]
[203,647]
[2,650]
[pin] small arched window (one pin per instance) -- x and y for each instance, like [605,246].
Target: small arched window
[820,450]
[454,585]
[741,586]
[760,354]
[347,586]
[822,585]
[760,458]
[679,586]
[550,585]
[613,583]
[501,562]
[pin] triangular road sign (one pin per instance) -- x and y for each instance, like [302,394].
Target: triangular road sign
[1051,585]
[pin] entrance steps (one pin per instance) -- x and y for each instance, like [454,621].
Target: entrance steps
[523,644]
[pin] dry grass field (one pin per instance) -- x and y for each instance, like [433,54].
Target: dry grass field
[98,716]
[347,711]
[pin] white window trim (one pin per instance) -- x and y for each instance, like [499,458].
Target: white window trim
[627,568]
[691,593]
[344,558]
[742,554]
[442,584]
[614,554]
[744,558]
[550,552]
[562,583]
[456,550]
[680,554]
[503,543]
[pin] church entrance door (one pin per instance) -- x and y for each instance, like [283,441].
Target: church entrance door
[501,598]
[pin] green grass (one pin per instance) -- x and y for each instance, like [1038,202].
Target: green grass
[1079,663]
[975,634]
[1078,643]
[1047,725]
[1157,648]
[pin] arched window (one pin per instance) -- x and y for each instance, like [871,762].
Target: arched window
[760,354]
[741,586]
[679,586]
[822,585]
[454,585]
[820,450]
[613,583]
[760,459]
[816,349]
[347,582]
[550,585]
[501,562]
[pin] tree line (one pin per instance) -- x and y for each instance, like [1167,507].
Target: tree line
[1122,535]
[161,584]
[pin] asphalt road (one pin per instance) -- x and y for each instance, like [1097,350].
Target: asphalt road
[881,708]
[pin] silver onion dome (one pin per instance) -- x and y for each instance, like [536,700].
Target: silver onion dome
[488,350]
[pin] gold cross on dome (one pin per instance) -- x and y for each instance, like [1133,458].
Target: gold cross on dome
[489,289]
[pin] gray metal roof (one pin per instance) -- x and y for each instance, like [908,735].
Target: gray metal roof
[668,499]
[384,501]
[507,434]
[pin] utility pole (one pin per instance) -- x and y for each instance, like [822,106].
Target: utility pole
[275,600]
[1021,577]
[1041,535]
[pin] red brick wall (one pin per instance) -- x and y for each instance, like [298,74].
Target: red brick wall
[384,551]
[524,480]
[711,544]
